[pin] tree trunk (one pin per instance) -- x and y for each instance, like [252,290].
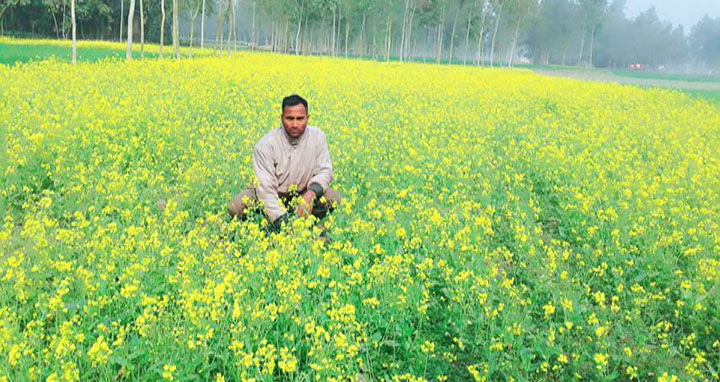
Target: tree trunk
[440,37]
[286,43]
[347,34]
[592,41]
[229,31]
[279,36]
[404,29]
[362,36]
[55,26]
[323,39]
[162,27]
[192,25]
[129,30]
[332,47]
[388,38]
[492,44]
[272,36]
[306,43]
[582,49]
[428,41]
[467,33]
[202,26]
[122,18]
[64,31]
[219,29]
[311,51]
[74,37]
[176,29]
[232,33]
[319,43]
[408,36]
[374,44]
[515,37]
[253,36]
[234,26]
[481,62]
[337,32]
[297,34]
[142,31]
[452,36]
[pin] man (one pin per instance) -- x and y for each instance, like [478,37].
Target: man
[292,154]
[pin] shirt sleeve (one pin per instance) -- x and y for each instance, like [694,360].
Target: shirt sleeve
[323,173]
[267,189]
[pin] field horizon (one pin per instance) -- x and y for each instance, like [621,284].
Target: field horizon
[22,50]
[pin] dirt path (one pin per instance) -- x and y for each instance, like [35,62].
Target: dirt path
[610,77]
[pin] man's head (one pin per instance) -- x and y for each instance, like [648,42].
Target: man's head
[294,115]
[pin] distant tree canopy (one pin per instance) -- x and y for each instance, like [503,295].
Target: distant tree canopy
[566,32]
[705,41]
[645,40]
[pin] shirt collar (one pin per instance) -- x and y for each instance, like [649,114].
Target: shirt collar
[293,141]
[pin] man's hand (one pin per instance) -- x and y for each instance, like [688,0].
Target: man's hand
[305,207]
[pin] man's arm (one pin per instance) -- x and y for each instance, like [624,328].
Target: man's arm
[267,189]
[323,173]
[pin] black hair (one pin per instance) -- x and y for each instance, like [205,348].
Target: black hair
[293,100]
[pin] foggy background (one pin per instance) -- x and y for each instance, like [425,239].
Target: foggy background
[645,35]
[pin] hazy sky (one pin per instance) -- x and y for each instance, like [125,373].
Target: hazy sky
[684,12]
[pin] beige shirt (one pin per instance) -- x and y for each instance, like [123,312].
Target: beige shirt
[280,161]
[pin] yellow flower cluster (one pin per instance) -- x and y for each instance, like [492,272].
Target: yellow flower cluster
[495,225]
[107,45]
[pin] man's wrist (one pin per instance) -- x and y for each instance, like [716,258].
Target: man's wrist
[317,189]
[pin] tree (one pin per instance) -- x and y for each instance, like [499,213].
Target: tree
[361,9]
[176,28]
[54,6]
[546,32]
[459,7]
[497,7]
[705,41]
[130,30]
[219,28]
[552,29]
[406,26]
[232,31]
[122,18]
[74,37]
[440,33]
[592,15]
[202,24]
[193,17]
[519,11]
[467,31]
[481,28]
[142,30]
[162,27]
[6,4]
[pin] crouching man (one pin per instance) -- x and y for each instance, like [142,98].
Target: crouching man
[293,154]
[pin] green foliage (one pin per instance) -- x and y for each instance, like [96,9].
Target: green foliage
[11,54]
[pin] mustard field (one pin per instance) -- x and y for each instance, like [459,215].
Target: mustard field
[495,226]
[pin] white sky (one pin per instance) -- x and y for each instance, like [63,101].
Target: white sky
[684,12]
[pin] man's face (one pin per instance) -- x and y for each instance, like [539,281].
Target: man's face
[294,120]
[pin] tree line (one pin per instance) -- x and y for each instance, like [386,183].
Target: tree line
[480,32]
